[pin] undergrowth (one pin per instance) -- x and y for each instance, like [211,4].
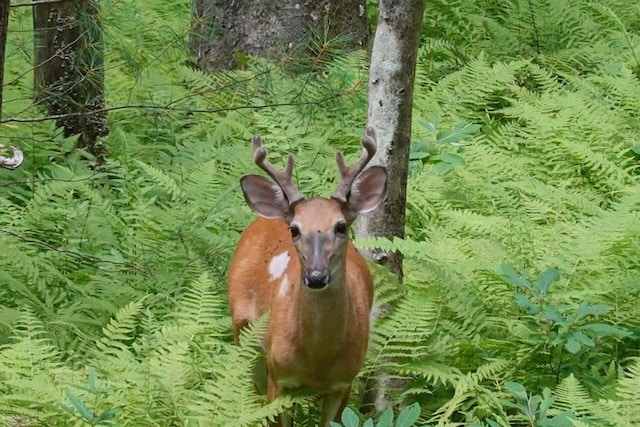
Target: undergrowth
[521,248]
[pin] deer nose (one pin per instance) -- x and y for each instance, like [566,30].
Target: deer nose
[317,278]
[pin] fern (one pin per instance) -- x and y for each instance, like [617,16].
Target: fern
[547,179]
[120,330]
[31,372]
[571,395]
[624,409]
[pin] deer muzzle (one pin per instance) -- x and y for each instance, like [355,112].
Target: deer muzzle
[317,278]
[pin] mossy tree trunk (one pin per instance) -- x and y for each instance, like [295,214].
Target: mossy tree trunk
[224,32]
[69,73]
[391,80]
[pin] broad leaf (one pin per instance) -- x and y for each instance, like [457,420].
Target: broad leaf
[545,280]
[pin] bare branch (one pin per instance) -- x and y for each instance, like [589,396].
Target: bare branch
[77,255]
[167,108]
[35,2]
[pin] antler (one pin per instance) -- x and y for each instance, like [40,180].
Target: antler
[283,177]
[349,174]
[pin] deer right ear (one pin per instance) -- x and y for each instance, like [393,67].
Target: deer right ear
[367,190]
[264,197]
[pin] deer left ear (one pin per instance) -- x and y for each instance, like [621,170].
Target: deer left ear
[367,191]
[264,197]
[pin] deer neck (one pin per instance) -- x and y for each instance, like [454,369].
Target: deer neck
[322,315]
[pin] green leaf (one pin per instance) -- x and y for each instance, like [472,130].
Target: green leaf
[442,168]
[84,410]
[409,415]
[386,419]
[368,423]
[553,315]
[584,309]
[108,415]
[603,330]
[350,418]
[430,125]
[517,390]
[561,420]
[450,158]
[433,123]
[545,280]
[459,132]
[532,407]
[511,276]
[94,385]
[525,303]
[418,155]
[547,401]
[572,345]
[583,339]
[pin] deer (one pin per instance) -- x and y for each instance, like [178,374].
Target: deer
[297,263]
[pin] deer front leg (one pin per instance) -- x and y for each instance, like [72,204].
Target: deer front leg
[283,420]
[332,406]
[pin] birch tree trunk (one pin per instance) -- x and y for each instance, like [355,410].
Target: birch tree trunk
[391,80]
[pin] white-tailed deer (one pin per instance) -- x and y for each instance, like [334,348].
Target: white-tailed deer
[297,263]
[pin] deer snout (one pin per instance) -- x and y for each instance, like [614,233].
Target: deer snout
[317,278]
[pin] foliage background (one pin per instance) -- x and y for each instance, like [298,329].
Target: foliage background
[519,305]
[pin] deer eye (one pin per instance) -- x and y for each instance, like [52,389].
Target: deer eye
[295,231]
[340,228]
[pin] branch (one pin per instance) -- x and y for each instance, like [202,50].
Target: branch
[81,257]
[186,111]
[36,2]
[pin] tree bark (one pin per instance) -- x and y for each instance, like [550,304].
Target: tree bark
[69,73]
[224,31]
[391,80]
[4,25]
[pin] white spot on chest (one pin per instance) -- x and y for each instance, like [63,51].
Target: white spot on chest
[278,265]
[284,286]
[289,383]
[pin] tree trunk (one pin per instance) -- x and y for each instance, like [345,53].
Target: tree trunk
[69,73]
[224,31]
[4,25]
[391,80]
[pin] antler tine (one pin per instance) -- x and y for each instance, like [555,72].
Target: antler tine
[283,178]
[349,174]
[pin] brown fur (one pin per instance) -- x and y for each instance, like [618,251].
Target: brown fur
[315,339]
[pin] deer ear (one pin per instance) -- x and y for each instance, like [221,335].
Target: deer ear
[264,197]
[367,191]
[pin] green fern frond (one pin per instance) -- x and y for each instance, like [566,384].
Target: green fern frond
[32,373]
[31,351]
[625,409]
[163,181]
[570,395]
[120,331]
[229,395]
[202,304]
[406,332]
